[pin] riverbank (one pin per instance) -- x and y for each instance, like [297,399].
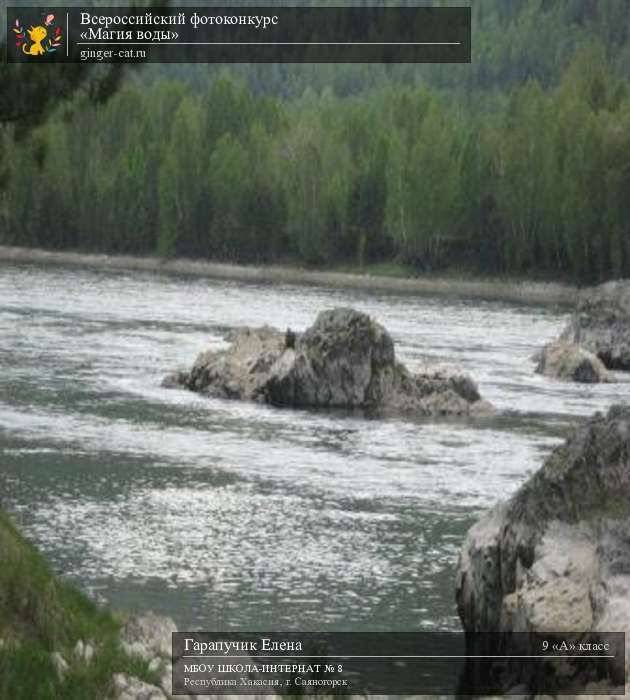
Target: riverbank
[496,289]
[54,641]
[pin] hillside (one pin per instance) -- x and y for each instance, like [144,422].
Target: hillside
[516,164]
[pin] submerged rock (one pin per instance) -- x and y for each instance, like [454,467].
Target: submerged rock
[601,323]
[556,556]
[568,361]
[344,360]
[175,379]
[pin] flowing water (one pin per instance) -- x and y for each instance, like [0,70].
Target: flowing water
[230,515]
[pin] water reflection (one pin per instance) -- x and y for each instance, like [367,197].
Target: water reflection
[233,515]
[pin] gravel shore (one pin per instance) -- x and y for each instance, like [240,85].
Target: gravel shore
[500,290]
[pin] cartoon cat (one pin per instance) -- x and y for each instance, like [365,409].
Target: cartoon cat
[36,35]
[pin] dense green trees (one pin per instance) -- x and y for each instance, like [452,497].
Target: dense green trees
[512,41]
[540,186]
[534,179]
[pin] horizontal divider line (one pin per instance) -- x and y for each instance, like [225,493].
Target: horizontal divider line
[269,43]
[431,656]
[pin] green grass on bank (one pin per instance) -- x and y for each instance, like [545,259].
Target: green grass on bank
[398,270]
[39,615]
[380,269]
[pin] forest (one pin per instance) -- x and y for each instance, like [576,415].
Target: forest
[517,164]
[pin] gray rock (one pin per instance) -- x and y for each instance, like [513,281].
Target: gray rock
[571,362]
[83,652]
[341,361]
[344,360]
[166,679]
[60,664]
[240,371]
[126,687]
[556,556]
[148,636]
[155,664]
[175,379]
[601,323]
[136,649]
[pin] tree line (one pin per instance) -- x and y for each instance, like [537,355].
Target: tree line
[535,182]
[512,41]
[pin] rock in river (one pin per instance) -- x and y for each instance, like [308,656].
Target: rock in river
[601,323]
[344,360]
[571,362]
[556,556]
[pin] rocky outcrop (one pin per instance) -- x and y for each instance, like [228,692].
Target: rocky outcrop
[129,688]
[601,323]
[344,360]
[556,556]
[570,362]
[148,637]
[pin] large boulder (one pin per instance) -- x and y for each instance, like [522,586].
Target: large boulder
[344,360]
[571,362]
[601,323]
[556,556]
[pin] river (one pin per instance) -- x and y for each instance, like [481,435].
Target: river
[228,515]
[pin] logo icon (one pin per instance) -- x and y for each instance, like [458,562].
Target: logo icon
[38,41]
